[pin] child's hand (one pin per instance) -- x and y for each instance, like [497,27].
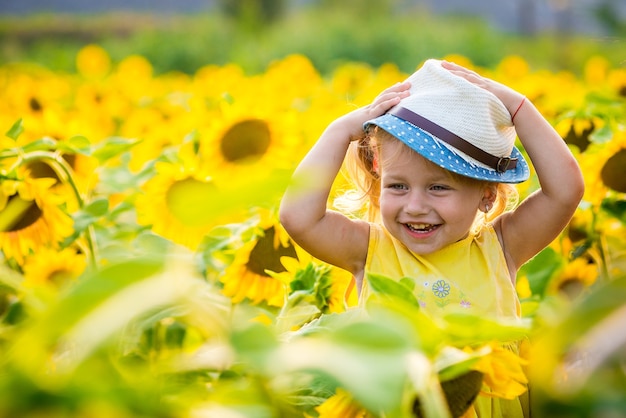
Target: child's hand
[387,99]
[509,97]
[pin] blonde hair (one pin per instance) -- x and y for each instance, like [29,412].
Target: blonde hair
[362,169]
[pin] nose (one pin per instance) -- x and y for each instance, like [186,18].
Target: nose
[416,203]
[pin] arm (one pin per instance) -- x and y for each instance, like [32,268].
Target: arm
[325,234]
[544,214]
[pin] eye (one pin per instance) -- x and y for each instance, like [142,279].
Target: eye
[397,186]
[439,187]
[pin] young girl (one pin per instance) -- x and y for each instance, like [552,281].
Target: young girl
[438,157]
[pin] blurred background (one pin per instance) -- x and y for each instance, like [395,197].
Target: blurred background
[143,270]
[186,35]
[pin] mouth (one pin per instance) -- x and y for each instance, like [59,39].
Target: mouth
[421,228]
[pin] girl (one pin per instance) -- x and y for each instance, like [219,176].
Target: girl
[437,152]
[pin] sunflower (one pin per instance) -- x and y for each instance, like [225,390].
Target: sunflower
[30,217]
[331,289]
[50,266]
[257,122]
[92,61]
[513,67]
[248,276]
[341,405]
[82,170]
[503,373]
[174,201]
[603,169]
[244,138]
[617,81]
[596,70]
[38,97]
[578,131]
[576,276]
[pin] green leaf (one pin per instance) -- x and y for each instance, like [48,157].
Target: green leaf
[602,135]
[75,145]
[373,335]
[384,286]
[616,208]
[204,203]
[463,329]
[43,144]
[540,269]
[121,178]
[373,369]
[452,362]
[97,207]
[294,315]
[175,334]
[112,147]
[604,299]
[255,344]
[16,130]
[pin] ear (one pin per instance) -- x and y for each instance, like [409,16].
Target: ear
[490,193]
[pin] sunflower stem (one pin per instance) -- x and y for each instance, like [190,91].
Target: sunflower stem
[65,174]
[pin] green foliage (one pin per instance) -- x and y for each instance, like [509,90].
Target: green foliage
[258,33]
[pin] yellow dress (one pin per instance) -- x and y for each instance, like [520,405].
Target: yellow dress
[451,280]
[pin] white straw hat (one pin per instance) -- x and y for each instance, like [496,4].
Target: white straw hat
[456,125]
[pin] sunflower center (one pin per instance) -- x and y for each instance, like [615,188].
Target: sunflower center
[248,139]
[571,287]
[188,200]
[581,140]
[19,214]
[41,169]
[613,172]
[264,256]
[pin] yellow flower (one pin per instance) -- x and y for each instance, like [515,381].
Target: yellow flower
[599,175]
[578,131]
[617,81]
[577,275]
[247,277]
[522,286]
[338,292]
[513,67]
[242,137]
[459,59]
[596,70]
[173,203]
[341,405]
[92,61]
[50,266]
[30,217]
[503,373]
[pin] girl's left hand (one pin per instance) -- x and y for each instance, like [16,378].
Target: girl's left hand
[509,97]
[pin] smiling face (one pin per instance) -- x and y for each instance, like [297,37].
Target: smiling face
[423,205]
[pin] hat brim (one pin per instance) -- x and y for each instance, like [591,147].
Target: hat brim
[433,150]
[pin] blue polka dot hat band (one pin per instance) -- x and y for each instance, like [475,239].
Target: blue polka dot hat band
[456,109]
[432,149]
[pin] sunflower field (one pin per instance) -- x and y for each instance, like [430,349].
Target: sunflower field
[145,274]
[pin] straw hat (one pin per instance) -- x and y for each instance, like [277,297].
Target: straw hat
[456,125]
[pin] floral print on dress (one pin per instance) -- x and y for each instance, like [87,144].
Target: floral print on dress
[441,288]
[436,292]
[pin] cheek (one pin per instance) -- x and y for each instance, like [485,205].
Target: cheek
[386,203]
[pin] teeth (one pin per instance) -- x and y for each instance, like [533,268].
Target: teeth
[420,227]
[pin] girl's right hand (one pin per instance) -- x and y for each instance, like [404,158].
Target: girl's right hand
[387,99]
